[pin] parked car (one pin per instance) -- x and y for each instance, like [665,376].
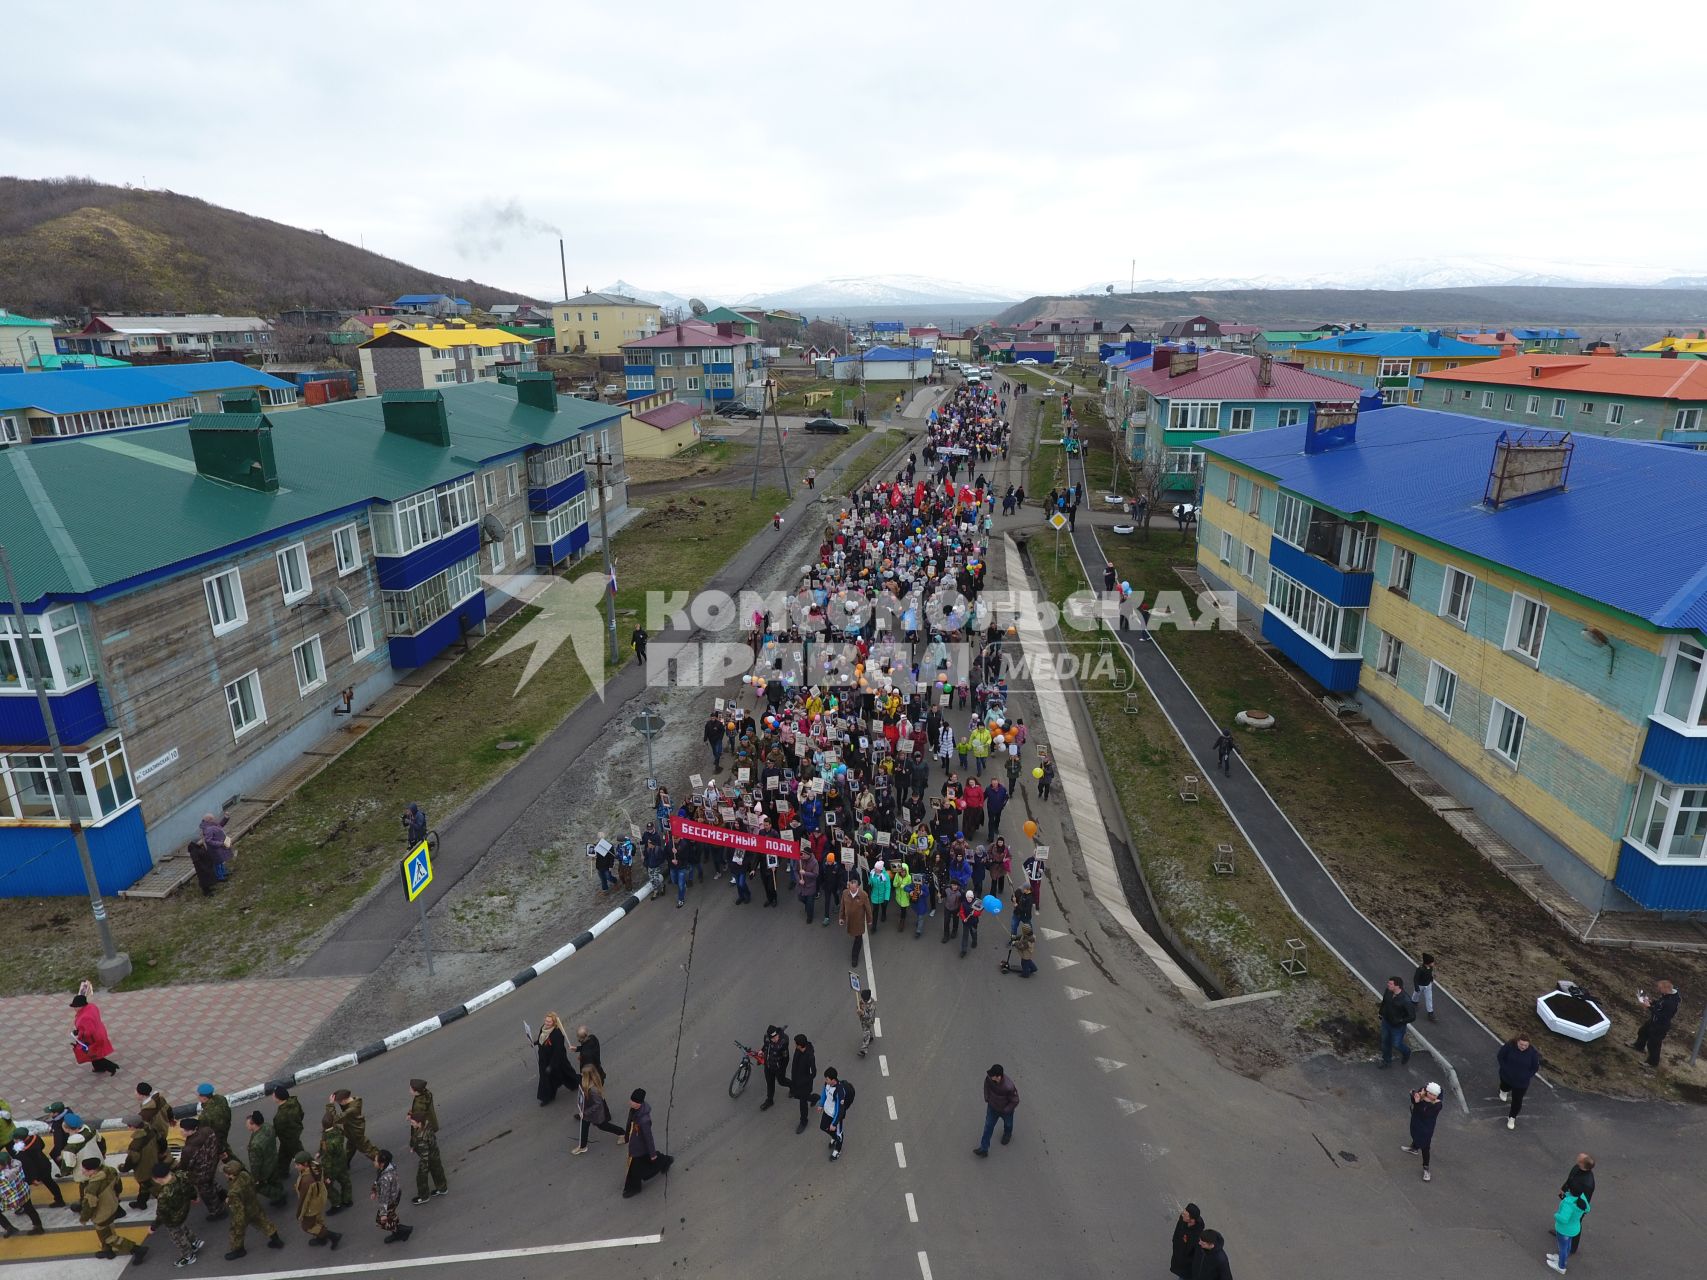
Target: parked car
[611,389]
[735,409]
[826,426]
[1027,360]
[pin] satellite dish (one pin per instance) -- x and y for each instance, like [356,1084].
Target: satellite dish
[697,307]
[333,598]
[491,528]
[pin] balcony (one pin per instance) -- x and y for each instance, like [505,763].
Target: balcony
[1336,674]
[1675,756]
[1346,588]
[1661,886]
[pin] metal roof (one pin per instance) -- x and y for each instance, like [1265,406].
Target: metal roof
[440,337]
[691,333]
[1224,375]
[95,512]
[416,299]
[890,355]
[82,390]
[8,317]
[1398,344]
[1624,532]
[669,415]
[175,324]
[1541,372]
[607,300]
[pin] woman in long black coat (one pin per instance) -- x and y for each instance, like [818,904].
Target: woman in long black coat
[554,1070]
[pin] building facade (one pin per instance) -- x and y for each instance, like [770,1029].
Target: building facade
[169,338]
[885,364]
[200,624]
[602,324]
[1487,622]
[439,355]
[74,402]
[24,342]
[708,363]
[1664,399]
[1389,361]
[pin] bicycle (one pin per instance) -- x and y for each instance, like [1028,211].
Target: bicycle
[744,1071]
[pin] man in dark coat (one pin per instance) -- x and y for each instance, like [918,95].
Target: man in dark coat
[1396,1017]
[1186,1233]
[776,1063]
[1425,1114]
[1652,1033]
[1518,1062]
[587,1053]
[1579,1182]
[644,1161]
[1211,1260]
[200,1164]
[802,1072]
[287,1124]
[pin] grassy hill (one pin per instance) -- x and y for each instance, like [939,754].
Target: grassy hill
[70,243]
[1594,312]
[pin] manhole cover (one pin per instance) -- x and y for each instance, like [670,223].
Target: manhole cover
[508,744]
[1350,1157]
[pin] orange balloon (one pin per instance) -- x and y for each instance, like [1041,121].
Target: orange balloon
[1030,829]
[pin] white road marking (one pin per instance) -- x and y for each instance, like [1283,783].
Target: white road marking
[1109,1064]
[453,1259]
[877,1028]
[1076,993]
[1091,1028]
[1064,962]
[883,1063]
[900,1155]
[912,1209]
[1152,1154]
[924,1266]
[1130,1108]
[892,1114]
[1052,934]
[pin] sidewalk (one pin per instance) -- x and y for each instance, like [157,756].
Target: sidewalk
[367,937]
[230,1033]
[1457,1039]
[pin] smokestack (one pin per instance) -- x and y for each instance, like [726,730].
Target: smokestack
[563,261]
[1265,371]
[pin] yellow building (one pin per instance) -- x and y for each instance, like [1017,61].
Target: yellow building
[1691,344]
[659,425]
[427,356]
[598,324]
[1389,361]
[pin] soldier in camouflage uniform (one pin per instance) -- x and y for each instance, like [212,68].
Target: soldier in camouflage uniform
[287,1124]
[200,1165]
[246,1209]
[335,1165]
[215,1113]
[173,1212]
[148,1141]
[388,1192]
[311,1201]
[424,1142]
[99,1205]
[346,1109]
[264,1162]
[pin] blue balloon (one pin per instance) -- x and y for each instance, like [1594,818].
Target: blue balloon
[992,905]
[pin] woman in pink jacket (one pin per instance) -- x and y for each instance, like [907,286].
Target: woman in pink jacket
[89,1040]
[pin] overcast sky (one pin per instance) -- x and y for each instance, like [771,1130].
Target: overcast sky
[724,148]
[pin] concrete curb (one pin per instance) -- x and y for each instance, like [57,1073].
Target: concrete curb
[397,1039]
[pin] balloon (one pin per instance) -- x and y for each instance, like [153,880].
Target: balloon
[747,679]
[1037,772]
[1030,829]
[993,905]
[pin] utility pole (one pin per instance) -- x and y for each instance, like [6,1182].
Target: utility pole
[601,461]
[759,444]
[114,965]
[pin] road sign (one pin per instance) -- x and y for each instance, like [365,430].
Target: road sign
[418,870]
[648,724]
[1059,521]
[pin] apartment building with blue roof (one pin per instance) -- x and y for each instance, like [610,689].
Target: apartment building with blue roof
[1390,361]
[1523,613]
[200,596]
[56,404]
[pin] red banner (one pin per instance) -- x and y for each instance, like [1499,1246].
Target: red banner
[687,829]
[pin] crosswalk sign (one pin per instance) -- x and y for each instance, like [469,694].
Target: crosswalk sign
[418,870]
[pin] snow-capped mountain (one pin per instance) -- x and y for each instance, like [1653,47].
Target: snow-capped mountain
[664,299]
[1435,273]
[878,291]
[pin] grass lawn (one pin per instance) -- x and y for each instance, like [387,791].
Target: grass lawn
[326,846]
[1403,866]
[843,400]
[696,459]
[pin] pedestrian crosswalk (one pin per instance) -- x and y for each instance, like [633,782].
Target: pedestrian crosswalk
[64,1236]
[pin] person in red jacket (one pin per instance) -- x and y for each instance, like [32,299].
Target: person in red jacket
[89,1040]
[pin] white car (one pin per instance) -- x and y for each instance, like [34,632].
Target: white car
[1027,360]
[972,377]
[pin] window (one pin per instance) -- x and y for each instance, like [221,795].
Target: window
[1289,417]
[1255,499]
[1400,571]
[1487,399]
[489,488]
[693,384]
[1194,415]
[1442,689]
[414,610]
[293,572]
[512,479]
[1446,396]
[1532,405]
[1525,627]
[595,332]
[57,645]
[1395,369]
[1240,419]
[1510,403]
[457,507]
[310,664]
[1559,406]
[559,524]
[1455,595]
[1392,649]
[243,702]
[641,383]
[347,544]
[30,790]
[666,384]
[643,358]
[1233,488]
[495,554]
[1227,545]
[1505,732]
[1291,520]
[1687,420]
[9,430]
[225,608]
[359,627]
[555,463]
[519,540]
[406,525]
[1615,414]
[1681,691]
[1669,821]
[666,359]
[1182,462]
[1248,564]
[1335,630]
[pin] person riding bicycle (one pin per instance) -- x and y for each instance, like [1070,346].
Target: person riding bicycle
[414,823]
